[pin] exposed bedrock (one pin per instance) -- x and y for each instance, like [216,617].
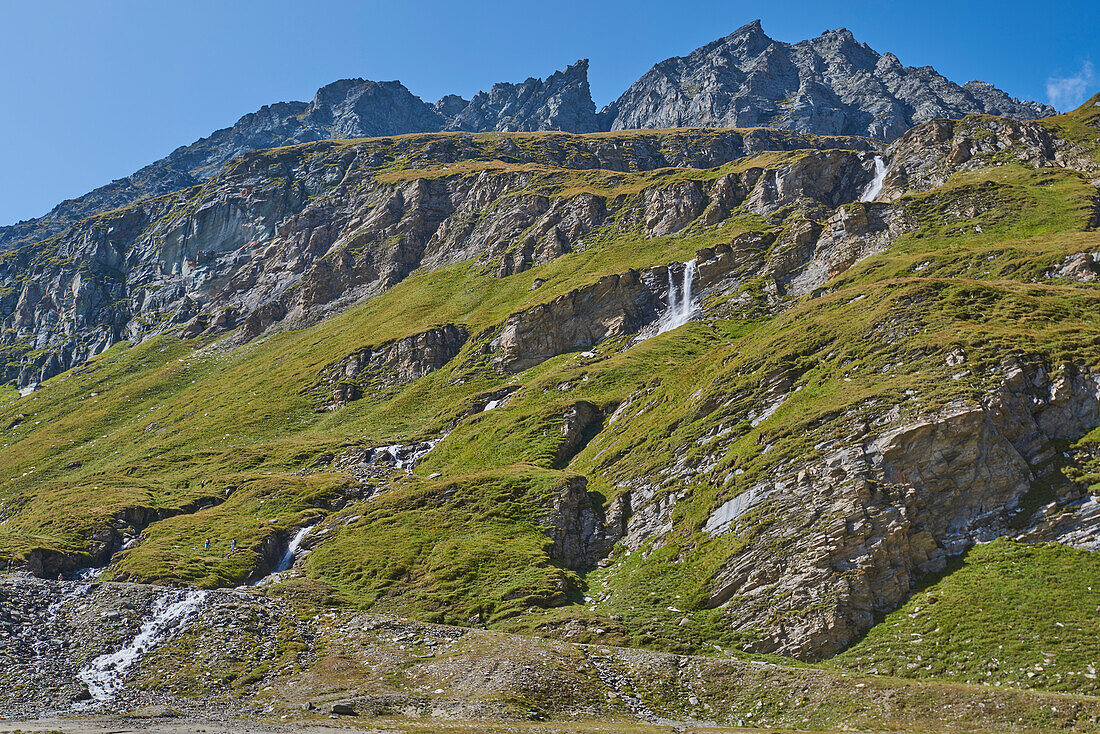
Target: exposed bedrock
[583,533]
[860,526]
[376,368]
[297,234]
[926,156]
[616,305]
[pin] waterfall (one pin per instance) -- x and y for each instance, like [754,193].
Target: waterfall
[681,307]
[875,187]
[292,549]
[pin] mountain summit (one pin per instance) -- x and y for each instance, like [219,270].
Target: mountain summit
[829,85]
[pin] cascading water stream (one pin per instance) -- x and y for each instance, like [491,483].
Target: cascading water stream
[681,306]
[104,675]
[292,549]
[875,187]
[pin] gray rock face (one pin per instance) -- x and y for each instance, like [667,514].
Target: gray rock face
[616,305]
[830,84]
[393,363]
[306,231]
[927,155]
[827,85]
[889,503]
[450,105]
[357,108]
[582,532]
[562,102]
[349,108]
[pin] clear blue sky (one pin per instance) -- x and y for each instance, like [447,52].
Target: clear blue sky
[93,90]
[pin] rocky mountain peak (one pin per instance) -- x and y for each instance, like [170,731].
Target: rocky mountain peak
[751,28]
[563,101]
[840,45]
[359,108]
[839,36]
[828,85]
[832,84]
[888,61]
[450,105]
[748,40]
[753,31]
[333,93]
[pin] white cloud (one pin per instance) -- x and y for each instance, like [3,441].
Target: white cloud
[1067,93]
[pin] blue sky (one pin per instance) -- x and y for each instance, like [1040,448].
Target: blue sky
[94,90]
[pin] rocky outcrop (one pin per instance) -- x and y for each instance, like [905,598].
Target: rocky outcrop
[830,84]
[808,255]
[926,156]
[358,108]
[815,181]
[579,424]
[887,506]
[582,532]
[450,105]
[616,305]
[296,234]
[544,230]
[378,368]
[810,252]
[1084,267]
[368,464]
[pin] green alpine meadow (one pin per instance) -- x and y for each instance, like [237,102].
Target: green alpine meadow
[700,412]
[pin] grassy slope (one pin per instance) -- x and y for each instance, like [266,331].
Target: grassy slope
[1082,125]
[167,426]
[884,330]
[1006,613]
[160,427]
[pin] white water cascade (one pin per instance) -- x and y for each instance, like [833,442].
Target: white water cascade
[292,549]
[875,187]
[104,675]
[681,307]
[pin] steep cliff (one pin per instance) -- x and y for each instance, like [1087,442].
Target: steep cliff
[298,232]
[562,102]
